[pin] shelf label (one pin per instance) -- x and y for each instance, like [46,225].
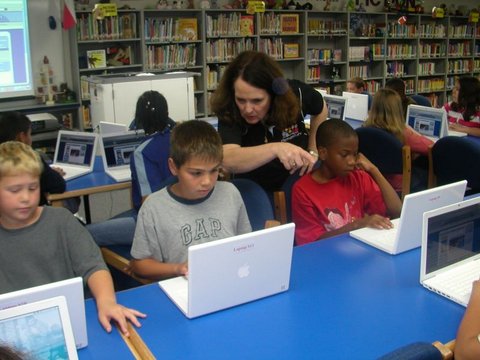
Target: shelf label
[102,10]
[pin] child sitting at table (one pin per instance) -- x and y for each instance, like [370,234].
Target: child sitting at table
[15,126]
[194,210]
[345,193]
[47,244]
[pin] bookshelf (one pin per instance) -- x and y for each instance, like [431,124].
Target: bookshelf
[324,49]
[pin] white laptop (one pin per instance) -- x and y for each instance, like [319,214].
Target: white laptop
[357,106]
[429,121]
[72,289]
[233,271]
[75,153]
[407,231]
[337,106]
[451,250]
[39,330]
[106,127]
[116,150]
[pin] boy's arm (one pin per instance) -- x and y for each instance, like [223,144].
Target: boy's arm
[101,286]
[467,345]
[390,197]
[156,270]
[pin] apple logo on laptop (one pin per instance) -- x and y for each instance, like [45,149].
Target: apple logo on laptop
[243,271]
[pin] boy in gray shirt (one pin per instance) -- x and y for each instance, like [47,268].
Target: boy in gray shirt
[194,210]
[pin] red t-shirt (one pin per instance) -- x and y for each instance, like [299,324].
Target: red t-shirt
[318,208]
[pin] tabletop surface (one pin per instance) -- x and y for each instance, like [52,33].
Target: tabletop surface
[346,300]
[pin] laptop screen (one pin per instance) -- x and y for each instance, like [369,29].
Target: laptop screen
[75,149]
[426,120]
[119,148]
[357,106]
[336,107]
[452,237]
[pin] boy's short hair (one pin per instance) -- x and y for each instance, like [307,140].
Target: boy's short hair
[13,123]
[330,130]
[18,158]
[195,138]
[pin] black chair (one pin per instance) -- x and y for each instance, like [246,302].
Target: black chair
[421,100]
[452,159]
[387,153]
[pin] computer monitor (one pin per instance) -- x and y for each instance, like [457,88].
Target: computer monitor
[357,106]
[337,106]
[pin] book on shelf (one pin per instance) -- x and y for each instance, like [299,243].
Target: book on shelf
[246,25]
[96,59]
[290,51]
[289,23]
[187,29]
[337,55]
[119,55]
[87,122]
[67,120]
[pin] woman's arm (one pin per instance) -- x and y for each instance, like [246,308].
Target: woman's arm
[467,345]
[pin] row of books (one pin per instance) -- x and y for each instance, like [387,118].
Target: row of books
[432,49]
[117,55]
[432,30]
[361,71]
[84,87]
[426,68]
[318,56]
[326,27]
[460,66]
[279,50]
[401,51]
[366,53]
[227,49]
[395,29]
[409,86]
[373,86]
[234,24]
[111,27]
[427,85]
[459,49]
[214,74]
[461,31]
[396,68]
[272,24]
[476,65]
[313,73]
[170,29]
[167,57]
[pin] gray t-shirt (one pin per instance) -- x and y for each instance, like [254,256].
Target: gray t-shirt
[56,247]
[167,225]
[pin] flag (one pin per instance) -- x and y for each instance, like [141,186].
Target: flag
[69,20]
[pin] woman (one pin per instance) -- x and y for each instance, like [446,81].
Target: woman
[261,120]
[387,113]
[464,111]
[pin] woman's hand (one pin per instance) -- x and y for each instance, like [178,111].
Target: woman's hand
[295,158]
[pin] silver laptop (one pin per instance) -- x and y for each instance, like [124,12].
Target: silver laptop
[116,150]
[451,250]
[233,271]
[75,153]
[357,106]
[72,289]
[106,127]
[337,106]
[430,122]
[407,231]
[40,330]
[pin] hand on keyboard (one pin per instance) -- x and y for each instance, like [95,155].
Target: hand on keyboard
[376,222]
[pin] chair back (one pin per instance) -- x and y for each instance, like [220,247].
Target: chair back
[454,158]
[387,153]
[257,202]
[421,100]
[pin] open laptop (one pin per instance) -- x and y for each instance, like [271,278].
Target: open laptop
[407,231]
[75,153]
[451,250]
[429,121]
[40,330]
[357,106]
[106,127]
[233,271]
[116,150]
[337,106]
[72,289]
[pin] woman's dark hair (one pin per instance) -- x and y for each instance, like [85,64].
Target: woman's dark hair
[468,96]
[151,113]
[260,71]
